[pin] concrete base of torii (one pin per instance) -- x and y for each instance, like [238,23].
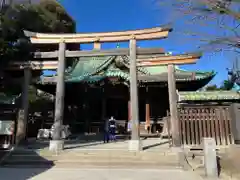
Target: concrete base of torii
[56,145]
[135,145]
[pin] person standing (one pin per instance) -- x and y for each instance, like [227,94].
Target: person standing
[129,129]
[112,129]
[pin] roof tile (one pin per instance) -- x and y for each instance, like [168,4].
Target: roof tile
[208,95]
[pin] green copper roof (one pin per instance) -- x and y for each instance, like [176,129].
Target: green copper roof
[163,69]
[208,96]
[94,69]
[88,66]
[110,65]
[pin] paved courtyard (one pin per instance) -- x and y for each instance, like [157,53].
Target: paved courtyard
[147,144]
[152,144]
[96,174]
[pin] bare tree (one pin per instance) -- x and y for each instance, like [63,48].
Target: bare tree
[223,15]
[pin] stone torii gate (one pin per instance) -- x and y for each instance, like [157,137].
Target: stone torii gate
[98,38]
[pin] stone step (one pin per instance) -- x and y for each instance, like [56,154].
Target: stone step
[40,159]
[91,158]
[98,153]
[81,159]
[36,164]
[82,156]
[33,160]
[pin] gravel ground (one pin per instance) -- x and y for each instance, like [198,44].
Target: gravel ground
[230,162]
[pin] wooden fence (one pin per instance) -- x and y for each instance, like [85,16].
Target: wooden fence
[205,121]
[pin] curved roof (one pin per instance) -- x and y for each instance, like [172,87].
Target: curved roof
[95,69]
[208,96]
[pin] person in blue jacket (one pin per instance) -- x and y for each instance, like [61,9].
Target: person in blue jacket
[112,129]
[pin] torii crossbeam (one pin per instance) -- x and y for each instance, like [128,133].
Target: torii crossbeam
[142,34]
[146,61]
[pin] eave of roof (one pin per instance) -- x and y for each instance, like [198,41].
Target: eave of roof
[179,77]
[87,70]
[208,96]
[121,75]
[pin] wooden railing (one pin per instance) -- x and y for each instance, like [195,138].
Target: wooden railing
[197,122]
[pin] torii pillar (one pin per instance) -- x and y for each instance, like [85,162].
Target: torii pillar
[57,143]
[134,143]
[170,61]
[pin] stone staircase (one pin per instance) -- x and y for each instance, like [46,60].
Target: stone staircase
[91,158]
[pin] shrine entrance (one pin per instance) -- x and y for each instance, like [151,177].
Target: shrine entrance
[139,57]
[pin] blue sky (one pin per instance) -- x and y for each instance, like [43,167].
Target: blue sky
[108,15]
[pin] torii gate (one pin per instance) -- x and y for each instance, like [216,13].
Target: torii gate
[98,38]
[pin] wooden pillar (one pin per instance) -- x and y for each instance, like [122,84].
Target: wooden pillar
[147,112]
[129,110]
[88,124]
[173,106]
[23,113]
[147,118]
[134,144]
[57,142]
[103,106]
[86,109]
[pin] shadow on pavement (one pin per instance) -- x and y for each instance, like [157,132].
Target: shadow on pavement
[21,174]
[89,144]
[23,160]
[75,142]
[155,145]
[94,140]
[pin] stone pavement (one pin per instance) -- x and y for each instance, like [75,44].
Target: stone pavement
[230,162]
[97,144]
[147,144]
[82,154]
[96,174]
